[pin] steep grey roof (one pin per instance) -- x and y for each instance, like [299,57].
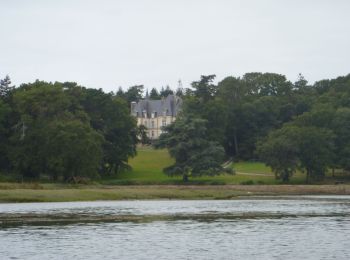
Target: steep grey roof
[171,105]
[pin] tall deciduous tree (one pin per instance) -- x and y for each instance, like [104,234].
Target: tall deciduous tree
[341,128]
[205,89]
[134,93]
[66,131]
[306,147]
[280,151]
[5,112]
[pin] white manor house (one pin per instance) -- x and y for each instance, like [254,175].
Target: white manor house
[154,114]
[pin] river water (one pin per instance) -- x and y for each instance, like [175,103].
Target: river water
[299,227]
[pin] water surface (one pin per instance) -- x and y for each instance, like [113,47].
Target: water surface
[299,227]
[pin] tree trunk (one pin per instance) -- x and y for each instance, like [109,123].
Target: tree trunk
[285,176]
[307,176]
[235,143]
[185,178]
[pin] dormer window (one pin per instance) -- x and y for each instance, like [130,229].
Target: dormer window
[154,114]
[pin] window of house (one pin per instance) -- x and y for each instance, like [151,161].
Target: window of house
[152,124]
[163,122]
[152,133]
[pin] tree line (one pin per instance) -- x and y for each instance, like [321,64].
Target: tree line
[63,130]
[263,116]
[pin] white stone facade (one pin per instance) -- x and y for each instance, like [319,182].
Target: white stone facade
[155,114]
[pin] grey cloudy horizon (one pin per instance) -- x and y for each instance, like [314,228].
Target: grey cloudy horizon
[107,44]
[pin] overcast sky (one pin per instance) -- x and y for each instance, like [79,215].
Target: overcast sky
[107,44]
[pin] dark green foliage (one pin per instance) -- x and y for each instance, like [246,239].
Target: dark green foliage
[204,89]
[259,115]
[179,92]
[194,154]
[142,135]
[341,128]
[63,131]
[166,92]
[5,115]
[110,117]
[5,88]
[241,112]
[73,149]
[120,93]
[154,94]
[308,148]
[280,152]
[133,93]
[316,151]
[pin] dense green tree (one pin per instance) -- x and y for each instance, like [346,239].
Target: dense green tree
[194,154]
[5,87]
[67,131]
[232,90]
[267,84]
[316,151]
[111,118]
[237,113]
[280,151]
[256,104]
[120,93]
[134,93]
[154,94]
[38,105]
[341,128]
[306,147]
[205,89]
[72,149]
[301,83]
[166,92]
[5,112]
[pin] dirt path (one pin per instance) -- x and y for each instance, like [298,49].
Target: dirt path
[255,174]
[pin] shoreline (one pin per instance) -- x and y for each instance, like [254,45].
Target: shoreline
[67,193]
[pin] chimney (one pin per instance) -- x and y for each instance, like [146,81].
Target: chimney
[132,107]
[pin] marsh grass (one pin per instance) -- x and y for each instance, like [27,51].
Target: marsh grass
[51,193]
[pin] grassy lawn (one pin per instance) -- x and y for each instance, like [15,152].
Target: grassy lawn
[252,167]
[148,164]
[147,181]
[147,169]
